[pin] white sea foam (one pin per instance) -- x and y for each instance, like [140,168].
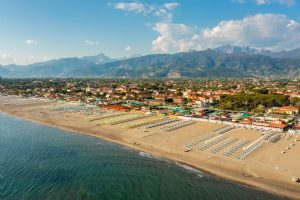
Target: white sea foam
[148,155]
[188,168]
[191,169]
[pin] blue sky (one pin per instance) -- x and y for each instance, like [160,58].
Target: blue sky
[37,30]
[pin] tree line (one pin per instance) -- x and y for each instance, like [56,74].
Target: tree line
[255,102]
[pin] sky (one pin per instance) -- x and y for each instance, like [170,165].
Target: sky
[39,30]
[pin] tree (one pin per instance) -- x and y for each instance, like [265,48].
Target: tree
[252,102]
[260,108]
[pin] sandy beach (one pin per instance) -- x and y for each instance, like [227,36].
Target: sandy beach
[267,169]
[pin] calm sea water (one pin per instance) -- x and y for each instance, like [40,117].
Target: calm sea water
[38,162]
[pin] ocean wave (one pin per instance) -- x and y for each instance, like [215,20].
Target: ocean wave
[148,155]
[190,169]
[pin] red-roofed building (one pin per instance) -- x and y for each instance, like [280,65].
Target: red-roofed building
[160,97]
[247,120]
[116,107]
[297,126]
[289,110]
[278,124]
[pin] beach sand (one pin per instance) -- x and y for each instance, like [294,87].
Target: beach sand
[266,169]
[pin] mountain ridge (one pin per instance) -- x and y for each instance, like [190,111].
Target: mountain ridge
[226,61]
[229,49]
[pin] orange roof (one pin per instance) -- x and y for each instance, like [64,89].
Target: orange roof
[289,108]
[247,120]
[160,97]
[278,125]
[278,121]
[116,107]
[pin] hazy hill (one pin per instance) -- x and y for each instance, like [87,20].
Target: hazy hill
[99,59]
[229,49]
[221,62]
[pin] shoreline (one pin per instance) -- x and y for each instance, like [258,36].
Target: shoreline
[258,183]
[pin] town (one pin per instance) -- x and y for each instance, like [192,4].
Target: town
[150,99]
[254,103]
[248,126]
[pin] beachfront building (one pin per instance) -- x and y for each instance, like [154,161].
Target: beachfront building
[278,124]
[297,127]
[247,120]
[155,102]
[116,108]
[287,110]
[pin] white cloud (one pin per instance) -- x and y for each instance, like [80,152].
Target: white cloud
[266,2]
[262,2]
[89,42]
[135,7]
[31,59]
[128,49]
[171,6]
[269,31]
[282,2]
[31,42]
[6,59]
[164,14]
[173,37]
[161,11]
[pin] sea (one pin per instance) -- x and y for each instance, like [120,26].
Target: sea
[38,162]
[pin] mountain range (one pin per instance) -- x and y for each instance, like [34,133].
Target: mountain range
[229,49]
[99,59]
[224,61]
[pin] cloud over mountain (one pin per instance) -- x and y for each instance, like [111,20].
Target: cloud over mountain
[269,31]
[6,59]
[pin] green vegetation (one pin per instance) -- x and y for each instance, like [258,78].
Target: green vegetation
[252,102]
[295,101]
[246,95]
